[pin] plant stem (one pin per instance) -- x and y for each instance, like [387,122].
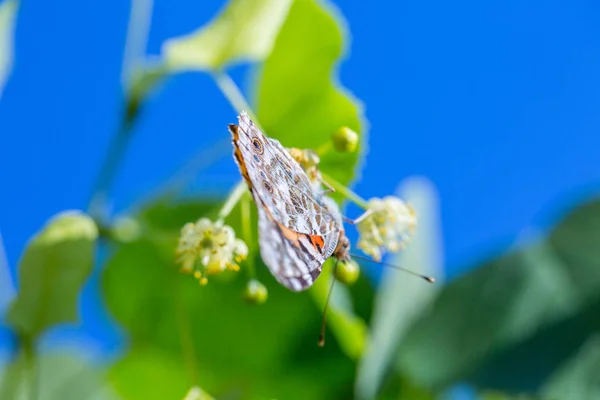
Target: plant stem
[140,17]
[185,335]
[7,287]
[31,362]
[135,47]
[233,198]
[13,375]
[324,148]
[234,95]
[114,157]
[247,232]
[345,191]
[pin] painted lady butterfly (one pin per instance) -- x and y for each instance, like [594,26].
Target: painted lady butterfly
[298,227]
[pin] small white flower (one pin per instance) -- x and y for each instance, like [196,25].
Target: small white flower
[209,248]
[388,227]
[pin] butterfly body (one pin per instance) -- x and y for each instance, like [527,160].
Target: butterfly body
[298,227]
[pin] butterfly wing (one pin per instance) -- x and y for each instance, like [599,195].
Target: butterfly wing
[297,233]
[278,180]
[293,258]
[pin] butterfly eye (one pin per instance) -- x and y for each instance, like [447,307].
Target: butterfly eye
[258,146]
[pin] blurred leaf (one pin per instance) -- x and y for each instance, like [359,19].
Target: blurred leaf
[268,351]
[243,31]
[409,391]
[498,325]
[299,98]
[8,18]
[196,393]
[64,375]
[504,396]
[400,297]
[52,271]
[579,377]
[150,374]
[12,377]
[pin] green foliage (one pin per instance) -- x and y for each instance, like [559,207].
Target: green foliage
[244,31]
[501,321]
[196,393]
[8,16]
[267,350]
[53,269]
[66,375]
[299,99]
[578,377]
[503,396]
[149,373]
[400,298]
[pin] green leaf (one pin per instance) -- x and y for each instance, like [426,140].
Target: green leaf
[578,378]
[267,351]
[401,298]
[196,393]
[504,396]
[243,31]
[146,373]
[300,101]
[53,269]
[64,374]
[8,18]
[500,324]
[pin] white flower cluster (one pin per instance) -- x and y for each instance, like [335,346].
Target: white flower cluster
[210,248]
[388,227]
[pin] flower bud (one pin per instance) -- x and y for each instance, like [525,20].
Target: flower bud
[256,292]
[347,272]
[345,140]
[126,229]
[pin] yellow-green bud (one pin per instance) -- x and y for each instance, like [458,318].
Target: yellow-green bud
[347,272]
[345,140]
[126,229]
[256,292]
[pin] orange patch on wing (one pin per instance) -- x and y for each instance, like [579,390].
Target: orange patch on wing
[317,241]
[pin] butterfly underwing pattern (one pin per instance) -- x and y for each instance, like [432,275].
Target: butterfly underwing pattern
[298,230]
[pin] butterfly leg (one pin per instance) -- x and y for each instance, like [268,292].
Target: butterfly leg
[359,219]
[330,188]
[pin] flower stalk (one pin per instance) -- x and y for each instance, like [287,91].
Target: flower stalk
[247,233]
[345,191]
[233,198]
[234,95]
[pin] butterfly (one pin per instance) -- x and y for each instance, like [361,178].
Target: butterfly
[299,227]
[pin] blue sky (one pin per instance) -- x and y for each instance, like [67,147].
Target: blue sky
[496,102]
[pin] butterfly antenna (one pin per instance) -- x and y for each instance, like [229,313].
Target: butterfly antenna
[323,323]
[425,277]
